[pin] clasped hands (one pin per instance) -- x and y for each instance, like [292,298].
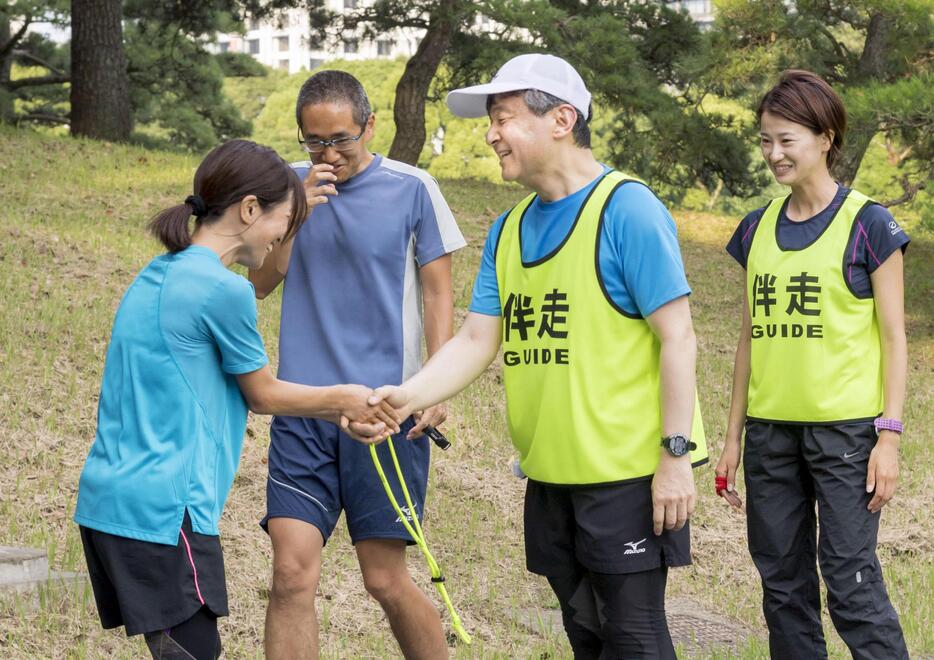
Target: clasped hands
[369,416]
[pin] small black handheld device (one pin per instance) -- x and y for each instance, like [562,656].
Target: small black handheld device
[437,437]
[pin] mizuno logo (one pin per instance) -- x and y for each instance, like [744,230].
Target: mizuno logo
[634,548]
[407,513]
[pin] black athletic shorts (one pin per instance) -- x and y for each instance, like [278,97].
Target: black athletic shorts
[150,586]
[605,529]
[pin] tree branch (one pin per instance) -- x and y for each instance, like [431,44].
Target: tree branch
[43,118]
[32,82]
[841,50]
[911,189]
[16,38]
[38,60]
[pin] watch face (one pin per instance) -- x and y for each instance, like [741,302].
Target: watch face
[678,445]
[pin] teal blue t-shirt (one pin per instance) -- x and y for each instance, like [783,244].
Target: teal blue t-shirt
[171,417]
[639,258]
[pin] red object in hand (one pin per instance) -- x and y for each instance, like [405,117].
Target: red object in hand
[720,485]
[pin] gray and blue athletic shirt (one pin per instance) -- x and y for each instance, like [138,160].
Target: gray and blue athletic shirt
[876,235]
[351,303]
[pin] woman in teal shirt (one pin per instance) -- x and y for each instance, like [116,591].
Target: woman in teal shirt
[184,365]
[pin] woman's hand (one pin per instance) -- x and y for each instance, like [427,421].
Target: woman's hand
[882,475]
[726,469]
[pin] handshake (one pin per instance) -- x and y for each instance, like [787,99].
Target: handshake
[370,416]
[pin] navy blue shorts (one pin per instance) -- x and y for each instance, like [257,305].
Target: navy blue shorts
[316,471]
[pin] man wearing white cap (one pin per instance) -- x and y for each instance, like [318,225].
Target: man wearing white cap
[583,286]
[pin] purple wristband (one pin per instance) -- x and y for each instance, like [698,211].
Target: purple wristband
[887,424]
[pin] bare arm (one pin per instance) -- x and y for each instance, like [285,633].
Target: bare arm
[672,324]
[341,404]
[456,364]
[438,302]
[889,292]
[673,494]
[732,446]
[741,369]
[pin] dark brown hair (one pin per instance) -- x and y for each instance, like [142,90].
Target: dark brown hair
[807,99]
[227,174]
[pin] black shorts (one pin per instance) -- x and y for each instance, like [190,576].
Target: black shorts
[605,529]
[150,586]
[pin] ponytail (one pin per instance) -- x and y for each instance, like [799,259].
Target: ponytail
[229,173]
[171,227]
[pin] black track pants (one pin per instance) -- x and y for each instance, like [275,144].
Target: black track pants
[614,616]
[788,469]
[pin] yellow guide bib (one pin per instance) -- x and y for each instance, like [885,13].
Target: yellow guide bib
[816,353]
[582,377]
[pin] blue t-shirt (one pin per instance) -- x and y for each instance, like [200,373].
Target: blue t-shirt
[171,417]
[640,261]
[877,235]
[351,303]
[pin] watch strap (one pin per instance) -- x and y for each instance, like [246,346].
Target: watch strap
[888,424]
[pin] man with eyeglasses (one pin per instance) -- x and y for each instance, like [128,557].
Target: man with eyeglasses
[376,250]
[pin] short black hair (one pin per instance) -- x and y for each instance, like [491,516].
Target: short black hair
[805,98]
[540,102]
[334,87]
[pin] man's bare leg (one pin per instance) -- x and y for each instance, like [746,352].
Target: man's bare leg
[415,622]
[291,618]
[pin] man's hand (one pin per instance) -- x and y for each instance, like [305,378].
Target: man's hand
[433,416]
[363,421]
[882,475]
[729,463]
[673,495]
[316,187]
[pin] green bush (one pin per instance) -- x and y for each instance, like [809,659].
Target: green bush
[241,65]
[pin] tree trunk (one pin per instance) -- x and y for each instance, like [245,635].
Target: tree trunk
[871,67]
[6,63]
[872,64]
[857,142]
[409,108]
[100,98]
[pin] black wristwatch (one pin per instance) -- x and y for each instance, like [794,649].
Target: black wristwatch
[678,445]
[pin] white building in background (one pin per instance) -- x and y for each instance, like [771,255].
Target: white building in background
[284,42]
[701,11]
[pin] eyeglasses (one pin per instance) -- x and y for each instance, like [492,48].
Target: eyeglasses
[318,146]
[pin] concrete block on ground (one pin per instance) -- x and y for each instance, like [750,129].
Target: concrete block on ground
[22,565]
[25,572]
[693,627]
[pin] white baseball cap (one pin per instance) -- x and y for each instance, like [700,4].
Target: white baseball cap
[545,73]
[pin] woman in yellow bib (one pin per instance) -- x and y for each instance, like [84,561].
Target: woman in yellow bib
[818,383]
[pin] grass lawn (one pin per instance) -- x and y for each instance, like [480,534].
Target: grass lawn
[72,239]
